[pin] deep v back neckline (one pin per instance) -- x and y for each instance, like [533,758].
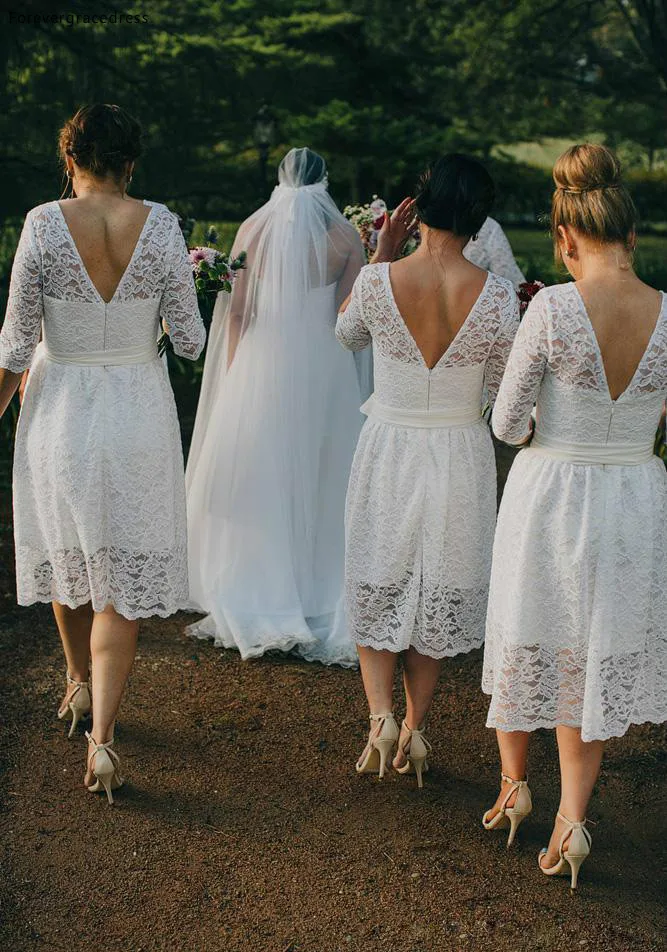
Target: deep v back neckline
[129,264]
[455,338]
[598,349]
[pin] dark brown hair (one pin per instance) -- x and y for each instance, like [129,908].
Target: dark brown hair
[101,139]
[591,197]
[455,193]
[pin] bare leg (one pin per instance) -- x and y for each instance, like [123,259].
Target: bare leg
[513,747]
[74,626]
[113,647]
[377,674]
[579,769]
[420,677]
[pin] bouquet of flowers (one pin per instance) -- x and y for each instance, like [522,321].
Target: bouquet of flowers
[526,292]
[368,220]
[213,271]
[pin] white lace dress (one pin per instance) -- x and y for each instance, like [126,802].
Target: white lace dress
[421,504]
[576,630]
[99,494]
[492,251]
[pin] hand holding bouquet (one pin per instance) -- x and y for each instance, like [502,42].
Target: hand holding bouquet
[213,271]
[375,226]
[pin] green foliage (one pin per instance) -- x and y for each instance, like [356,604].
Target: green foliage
[534,252]
[378,86]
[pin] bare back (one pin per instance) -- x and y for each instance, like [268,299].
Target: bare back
[623,313]
[105,229]
[435,297]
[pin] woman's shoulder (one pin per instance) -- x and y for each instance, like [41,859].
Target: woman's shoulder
[558,296]
[372,275]
[555,306]
[375,267]
[501,286]
[44,207]
[160,210]
[39,221]
[43,211]
[502,295]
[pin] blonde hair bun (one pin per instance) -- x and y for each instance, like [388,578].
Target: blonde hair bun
[591,196]
[586,168]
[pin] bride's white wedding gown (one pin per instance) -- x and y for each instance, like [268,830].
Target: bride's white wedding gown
[274,439]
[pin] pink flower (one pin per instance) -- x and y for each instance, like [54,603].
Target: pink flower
[197,255]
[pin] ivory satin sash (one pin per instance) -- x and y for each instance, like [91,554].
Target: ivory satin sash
[105,358]
[592,454]
[426,419]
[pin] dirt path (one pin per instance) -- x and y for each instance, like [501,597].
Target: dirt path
[244,827]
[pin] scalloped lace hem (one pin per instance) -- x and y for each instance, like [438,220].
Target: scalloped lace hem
[99,604]
[421,649]
[534,724]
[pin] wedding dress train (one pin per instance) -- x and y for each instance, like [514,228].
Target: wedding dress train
[275,434]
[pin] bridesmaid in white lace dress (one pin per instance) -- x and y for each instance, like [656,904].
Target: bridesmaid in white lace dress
[576,633]
[99,493]
[421,504]
[492,251]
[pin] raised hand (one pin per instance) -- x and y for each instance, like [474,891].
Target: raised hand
[395,231]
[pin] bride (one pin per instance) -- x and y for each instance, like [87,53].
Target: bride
[276,428]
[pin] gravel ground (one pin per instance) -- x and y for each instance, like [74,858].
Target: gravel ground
[243,825]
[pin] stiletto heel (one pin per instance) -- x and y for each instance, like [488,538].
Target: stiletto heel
[78,705]
[416,750]
[379,747]
[106,768]
[511,816]
[571,859]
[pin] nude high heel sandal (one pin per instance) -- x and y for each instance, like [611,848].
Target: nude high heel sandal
[78,704]
[511,816]
[577,850]
[106,769]
[416,750]
[380,745]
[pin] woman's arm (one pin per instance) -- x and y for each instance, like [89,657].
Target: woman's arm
[523,377]
[351,328]
[20,331]
[179,309]
[395,231]
[508,304]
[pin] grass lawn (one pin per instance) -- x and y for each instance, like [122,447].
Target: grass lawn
[543,152]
